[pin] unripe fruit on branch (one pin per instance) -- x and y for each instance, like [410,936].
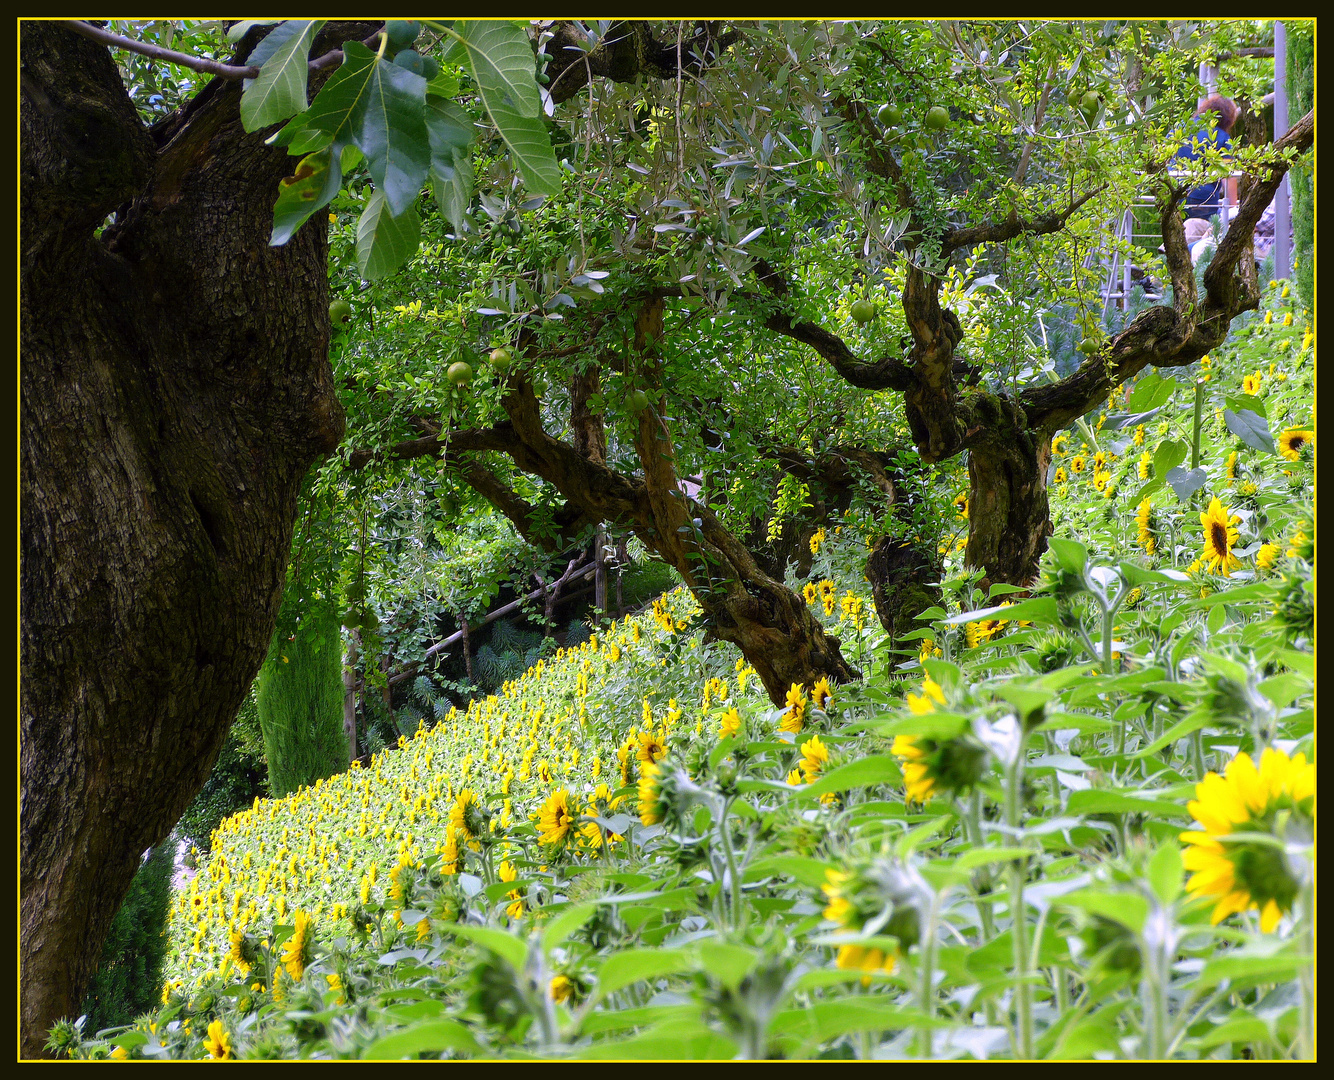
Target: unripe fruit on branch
[890,115]
[340,313]
[402,33]
[937,118]
[459,373]
[863,311]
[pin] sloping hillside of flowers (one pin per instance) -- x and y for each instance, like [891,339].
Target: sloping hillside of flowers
[1077,824]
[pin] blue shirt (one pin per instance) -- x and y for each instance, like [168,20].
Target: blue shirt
[1204,201]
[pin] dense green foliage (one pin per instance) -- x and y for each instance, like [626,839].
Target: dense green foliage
[130,972]
[300,701]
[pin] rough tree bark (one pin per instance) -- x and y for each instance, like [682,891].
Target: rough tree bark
[175,388]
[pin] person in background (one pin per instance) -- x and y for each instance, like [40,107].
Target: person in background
[1205,201]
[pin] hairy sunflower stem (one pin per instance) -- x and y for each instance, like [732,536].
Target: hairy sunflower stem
[925,989]
[1023,991]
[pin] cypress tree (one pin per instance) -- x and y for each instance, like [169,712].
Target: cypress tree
[300,699]
[1301,97]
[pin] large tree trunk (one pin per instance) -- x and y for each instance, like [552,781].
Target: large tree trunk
[175,388]
[1008,513]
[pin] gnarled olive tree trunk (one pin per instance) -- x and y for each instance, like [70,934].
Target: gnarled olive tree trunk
[1008,436]
[175,388]
[772,626]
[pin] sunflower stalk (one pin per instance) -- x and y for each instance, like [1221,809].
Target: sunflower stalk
[1023,991]
[1195,431]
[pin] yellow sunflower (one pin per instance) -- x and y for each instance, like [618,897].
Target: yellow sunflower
[729,724]
[961,506]
[814,757]
[1143,516]
[1219,538]
[796,709]
[651,747]
[1077,463]
[555,819]
[918,784]
[1292,441]
[810,593]
[217,1044]
[650,794]
[820,692]
[1247,874]
[296,948]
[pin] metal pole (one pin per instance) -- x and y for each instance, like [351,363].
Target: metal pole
[1283,198]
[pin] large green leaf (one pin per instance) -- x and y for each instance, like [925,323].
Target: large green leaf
[1115,802]
[379,107]
[506,946]
[430,1037]
[1150,392]
[280,89]
[501,60]
[392,134]
[338,108]
[318,177]
[530,145]
[630,966]
[385,242]
[1251,428]
[450,133]
[864,772]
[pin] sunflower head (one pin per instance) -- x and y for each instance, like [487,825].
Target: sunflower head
[653,803]
[939,765]
[555,820]
[1252,818]
[1294,441]
[1220,536]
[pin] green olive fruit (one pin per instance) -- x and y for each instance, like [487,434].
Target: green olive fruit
[863,311]
[412,60]
[340,313]
[500,360]
[370,621]
[459,373]
[1089,104]
[1089,346]
[937,118]
[637,401]
[430,68]
[402,33]
[890,115]
[356,592]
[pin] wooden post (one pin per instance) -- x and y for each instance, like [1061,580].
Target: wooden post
[622,557]
[350,693]
[600,571]
[467,648]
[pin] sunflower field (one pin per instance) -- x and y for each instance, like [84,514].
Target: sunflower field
[1078,823]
